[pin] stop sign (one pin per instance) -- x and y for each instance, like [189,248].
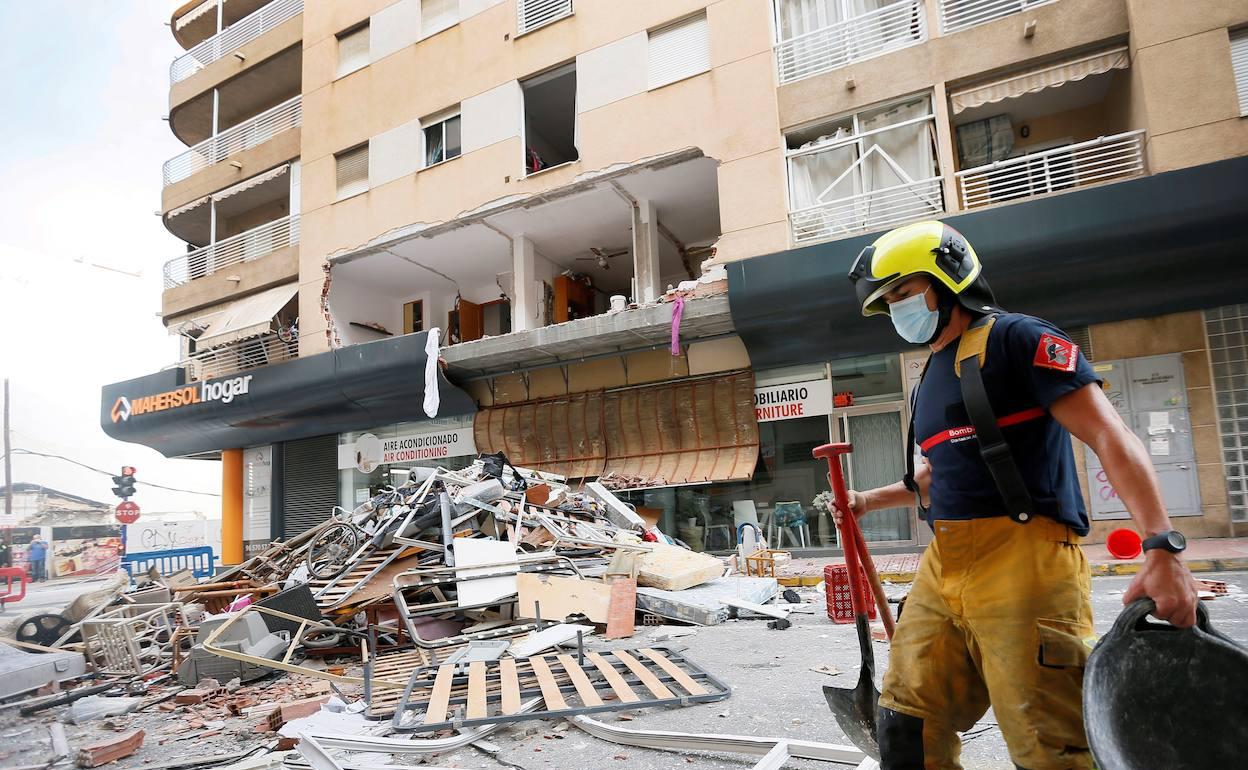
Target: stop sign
[127,512]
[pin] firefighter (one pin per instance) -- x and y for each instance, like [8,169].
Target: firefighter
[999,613]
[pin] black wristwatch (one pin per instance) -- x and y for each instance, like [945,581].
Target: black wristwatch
[1170,540]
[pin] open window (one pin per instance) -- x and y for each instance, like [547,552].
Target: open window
[442,138]
[550,119]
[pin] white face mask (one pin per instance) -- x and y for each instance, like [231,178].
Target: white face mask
[913,320]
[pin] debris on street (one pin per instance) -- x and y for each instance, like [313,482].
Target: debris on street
[423,620]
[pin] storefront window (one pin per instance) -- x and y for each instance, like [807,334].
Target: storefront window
[795,413]
[369,461]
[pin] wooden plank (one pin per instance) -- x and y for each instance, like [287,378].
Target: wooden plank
[510,685]
[690,684]
[622,690]
[477,708]
[436,710]
[546,681]
[584,687]
[561,596]
[647,678]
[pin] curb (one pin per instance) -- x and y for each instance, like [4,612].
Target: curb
[1099,569]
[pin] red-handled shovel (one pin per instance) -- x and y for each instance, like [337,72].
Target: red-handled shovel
[855,708]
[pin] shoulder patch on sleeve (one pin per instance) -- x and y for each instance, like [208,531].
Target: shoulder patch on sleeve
[1056,353]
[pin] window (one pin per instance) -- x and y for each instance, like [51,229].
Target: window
[532,14]
[1239,64]
[865,171]
[352,171]
[550,119]
[816,36]
[679,50]
[414,317]
[352,50]
[441,139]
[437,15]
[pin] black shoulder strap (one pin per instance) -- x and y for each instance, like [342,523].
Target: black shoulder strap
[992,446]
[908,479]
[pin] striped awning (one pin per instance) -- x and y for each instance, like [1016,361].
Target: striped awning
[1038,79]
[232,190]
[685,432]
[247,317]
[195,13]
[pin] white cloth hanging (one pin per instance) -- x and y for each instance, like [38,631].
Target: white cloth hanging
[432,397]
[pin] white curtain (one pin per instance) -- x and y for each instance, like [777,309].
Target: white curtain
[908,147]
[797,17]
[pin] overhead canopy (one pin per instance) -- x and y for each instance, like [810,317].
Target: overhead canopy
[1038,79]
[247,317]
[1157,244]
[684,432]
[355,388]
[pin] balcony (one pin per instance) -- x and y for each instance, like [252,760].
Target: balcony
[244,136]
[240,356]
[1104,159]
[874,210]
[875,33]
[956,15]
[232,38]
[246,246]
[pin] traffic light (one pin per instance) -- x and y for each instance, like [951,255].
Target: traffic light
[124,482]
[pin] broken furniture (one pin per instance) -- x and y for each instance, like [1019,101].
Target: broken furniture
[22,671]
[568,684]
[130,639]
[762,563]
[244,634]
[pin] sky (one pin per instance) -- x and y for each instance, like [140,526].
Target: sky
[82,140]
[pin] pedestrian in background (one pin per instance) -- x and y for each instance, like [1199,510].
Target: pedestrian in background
[6,553]
[38,555]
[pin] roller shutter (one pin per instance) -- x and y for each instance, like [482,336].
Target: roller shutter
[309,483]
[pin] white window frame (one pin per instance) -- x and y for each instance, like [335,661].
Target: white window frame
[361,58]
[521,29]
[1239,66]
[440,119]
[695,65]
[353,189]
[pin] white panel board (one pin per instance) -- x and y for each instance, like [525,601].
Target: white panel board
[492,116]
[611,72]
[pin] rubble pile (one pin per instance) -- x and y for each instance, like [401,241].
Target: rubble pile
[425,618]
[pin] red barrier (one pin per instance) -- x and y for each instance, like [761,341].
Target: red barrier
[7,594]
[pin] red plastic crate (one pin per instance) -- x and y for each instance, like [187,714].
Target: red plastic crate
[836,587]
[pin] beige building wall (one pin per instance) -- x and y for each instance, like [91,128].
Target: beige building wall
[1187,89]
[728,113]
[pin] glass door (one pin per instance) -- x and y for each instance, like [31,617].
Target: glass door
[878,435]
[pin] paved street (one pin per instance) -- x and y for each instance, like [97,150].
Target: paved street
[775,694]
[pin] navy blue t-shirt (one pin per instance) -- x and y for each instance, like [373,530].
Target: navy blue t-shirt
[1030,363]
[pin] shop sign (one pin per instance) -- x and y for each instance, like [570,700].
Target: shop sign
[789,402]
[204,392]
[368,451]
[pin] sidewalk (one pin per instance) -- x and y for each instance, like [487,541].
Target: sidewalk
[1208,555]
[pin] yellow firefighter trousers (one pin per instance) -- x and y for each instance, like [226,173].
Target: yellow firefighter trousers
[999,614]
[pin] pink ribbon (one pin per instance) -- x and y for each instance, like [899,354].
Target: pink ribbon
[678,310]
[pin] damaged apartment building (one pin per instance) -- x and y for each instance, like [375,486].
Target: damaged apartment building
[609,240]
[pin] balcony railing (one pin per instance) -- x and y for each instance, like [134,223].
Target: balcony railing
[250,133]
[887,29]
[960,14]
[1101,160]
[873,210]
[244,247]
[239,356]
[233,37]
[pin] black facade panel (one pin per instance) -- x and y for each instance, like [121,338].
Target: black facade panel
[1159,244]
[309,483]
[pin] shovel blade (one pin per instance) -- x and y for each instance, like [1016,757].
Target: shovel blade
[855,713]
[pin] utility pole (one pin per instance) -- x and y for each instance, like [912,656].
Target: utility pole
[8,470]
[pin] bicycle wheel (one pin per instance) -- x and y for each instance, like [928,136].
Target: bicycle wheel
[330,553]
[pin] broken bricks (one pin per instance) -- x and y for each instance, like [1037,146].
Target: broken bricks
[106,751]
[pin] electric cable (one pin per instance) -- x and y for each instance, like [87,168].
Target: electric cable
[110,474]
